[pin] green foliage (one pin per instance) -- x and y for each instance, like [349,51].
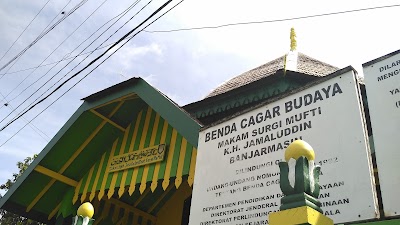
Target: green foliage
[8,218]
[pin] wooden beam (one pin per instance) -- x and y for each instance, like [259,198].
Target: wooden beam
[132,209]
[123,98]
[55,175]
[108,120]
[55,210]
[72,158]
[161,198]
[141,197]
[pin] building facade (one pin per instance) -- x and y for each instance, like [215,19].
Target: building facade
[131,151]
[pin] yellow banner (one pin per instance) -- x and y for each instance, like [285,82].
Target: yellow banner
[137,158]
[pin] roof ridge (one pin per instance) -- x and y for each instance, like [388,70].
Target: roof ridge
[305,64]
[316,60]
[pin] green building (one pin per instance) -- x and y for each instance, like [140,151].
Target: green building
[106,153]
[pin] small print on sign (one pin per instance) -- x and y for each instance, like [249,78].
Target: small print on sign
[137,158]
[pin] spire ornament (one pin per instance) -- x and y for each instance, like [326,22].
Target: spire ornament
[290,60]
[293,42]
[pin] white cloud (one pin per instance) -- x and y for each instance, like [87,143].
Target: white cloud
[151,79]
[191,63]
[130,53]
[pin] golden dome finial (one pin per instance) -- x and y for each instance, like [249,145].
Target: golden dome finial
[293,42]
[86,210]
[299,148]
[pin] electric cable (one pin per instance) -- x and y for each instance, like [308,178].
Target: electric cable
[24,31]
[123,13]
[64,59]
[210,27]
[198,28]
[4,99]
[97,58]
[155,12]
[55,17]
[38,131]
[269,21]
[26,77]
[15,58]
[83,59]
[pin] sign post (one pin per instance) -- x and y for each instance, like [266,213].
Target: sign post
[382,82]
[300,205]
[237,175]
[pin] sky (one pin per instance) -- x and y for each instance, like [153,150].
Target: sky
[184,65]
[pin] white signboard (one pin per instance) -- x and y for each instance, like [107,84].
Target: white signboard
[382,82]
[237,176]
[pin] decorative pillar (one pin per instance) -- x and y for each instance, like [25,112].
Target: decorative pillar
[299,182]
[84,215]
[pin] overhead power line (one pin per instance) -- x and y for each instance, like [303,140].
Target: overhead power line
[62,10]
[64,59]
[96,59]
[15,58]
[38,131]
[121,14]
[24,30]
[268,21]
[130,37]
[70,35]
[34,128]
[206,27]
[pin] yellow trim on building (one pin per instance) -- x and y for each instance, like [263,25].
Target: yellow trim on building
[154,182]
[143,139]
[152,141]
[299,215]
[108,120]
[110,192]
[40,195]
[192,167]
[124,174]
[132,185]
[76,194]
[55,210]
[85,189]
[123,98]
[171,151]
[96,180]
[72,158]
[55,175]
[122,151]
[103,184]
[171,212]
[178,180]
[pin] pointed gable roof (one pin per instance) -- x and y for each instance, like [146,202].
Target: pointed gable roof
[91,130]
[305,65]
